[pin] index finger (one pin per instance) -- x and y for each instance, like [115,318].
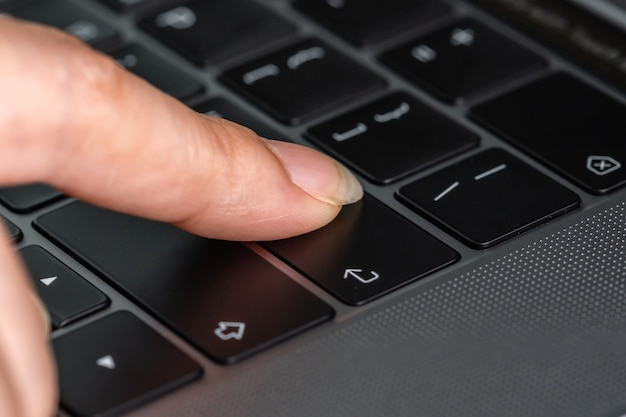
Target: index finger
[82,124]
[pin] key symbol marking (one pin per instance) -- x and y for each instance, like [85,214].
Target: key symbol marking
[48,281]
[424,53]
[269,70]
[359,129]
[179,18]
[447,191]
[107,362]
[490,172]
[602,165]
[394,114]
[463,37]
[304,56]
[356,273]
[84,30]
[228,330]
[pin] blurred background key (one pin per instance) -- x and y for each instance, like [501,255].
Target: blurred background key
[213,32]
[158,72]
[72,18]
[364,22]
[29,197]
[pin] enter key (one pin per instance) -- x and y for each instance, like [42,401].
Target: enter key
[366,252]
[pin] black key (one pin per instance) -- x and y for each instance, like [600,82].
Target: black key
[8,4]
[26,198]
[303,81]
[392,137]
[488,198]
[15,234]
[364,22]
[571,31]
[157,72]
[71,17]
[213,32]
[366,252]
[66,295]
[226,110]
[461,59]
[569,125]
[115,364]
[222,296]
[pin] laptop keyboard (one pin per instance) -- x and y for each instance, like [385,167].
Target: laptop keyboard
[442,114]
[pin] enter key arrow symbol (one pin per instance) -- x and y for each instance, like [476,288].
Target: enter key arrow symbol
[356,273]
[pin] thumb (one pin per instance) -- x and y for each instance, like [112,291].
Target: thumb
[76,120]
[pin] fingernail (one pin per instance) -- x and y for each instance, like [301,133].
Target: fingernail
[317,174]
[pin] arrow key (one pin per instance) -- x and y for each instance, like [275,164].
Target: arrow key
[66,295]
[117,363]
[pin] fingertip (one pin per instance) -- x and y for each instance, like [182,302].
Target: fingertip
[317,174]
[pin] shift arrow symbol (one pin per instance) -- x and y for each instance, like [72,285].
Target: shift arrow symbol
[227,330]
[48,281]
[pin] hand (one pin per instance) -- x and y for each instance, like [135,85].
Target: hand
[74,119]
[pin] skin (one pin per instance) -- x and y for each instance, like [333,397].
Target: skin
[72,118]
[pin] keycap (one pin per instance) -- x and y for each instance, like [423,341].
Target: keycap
[461,59]
[571,31]
[366,252]
[365,22]
[221,296]
[66,295]
[392,137]
[220,107]
[8,4]
[154,69]
[488,198]
[302,81]
[213,32]
[14,233]
[73,18]
[115,364]
[26,198]
[569,125]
